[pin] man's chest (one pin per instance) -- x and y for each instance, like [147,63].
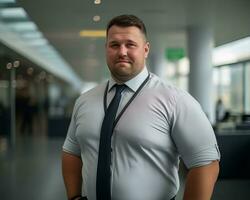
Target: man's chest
[143,123]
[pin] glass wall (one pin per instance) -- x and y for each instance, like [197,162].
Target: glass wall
[41,103]
[177,73]
[247,88]
[232,86]
[236,88]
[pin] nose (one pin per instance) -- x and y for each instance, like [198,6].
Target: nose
[122,50]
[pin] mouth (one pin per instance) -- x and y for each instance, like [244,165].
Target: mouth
[123,61]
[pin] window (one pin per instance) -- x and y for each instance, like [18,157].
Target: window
[236,87]
[247,88]
[229,85]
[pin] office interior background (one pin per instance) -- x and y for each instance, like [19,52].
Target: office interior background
[52,51]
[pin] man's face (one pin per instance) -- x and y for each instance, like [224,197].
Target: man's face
[126,51]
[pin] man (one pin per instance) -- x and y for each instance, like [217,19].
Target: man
[155,125]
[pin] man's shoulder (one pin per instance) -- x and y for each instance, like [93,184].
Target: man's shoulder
[167,92]
[95,90]
[94,93]
[163,86]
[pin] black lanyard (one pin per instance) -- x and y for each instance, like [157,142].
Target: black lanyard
[128,103]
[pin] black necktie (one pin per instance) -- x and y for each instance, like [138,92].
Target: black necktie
[103,188]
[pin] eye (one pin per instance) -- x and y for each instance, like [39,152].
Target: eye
[131,45]
[114,45]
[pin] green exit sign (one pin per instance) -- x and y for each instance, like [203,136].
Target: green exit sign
[174,54]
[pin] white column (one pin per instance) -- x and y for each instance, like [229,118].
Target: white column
[200,45]
[156,61]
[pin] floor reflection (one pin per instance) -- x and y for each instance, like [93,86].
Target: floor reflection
[33,171]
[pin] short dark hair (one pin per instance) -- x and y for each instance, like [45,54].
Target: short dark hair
[126,21]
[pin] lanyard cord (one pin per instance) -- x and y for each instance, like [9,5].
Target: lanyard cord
[127,104]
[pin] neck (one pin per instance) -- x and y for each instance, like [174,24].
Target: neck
[123,79]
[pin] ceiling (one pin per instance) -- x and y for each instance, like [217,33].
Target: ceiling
[166,20]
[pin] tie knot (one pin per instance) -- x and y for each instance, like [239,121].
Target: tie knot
[119,88]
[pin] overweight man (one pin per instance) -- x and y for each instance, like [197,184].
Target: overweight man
[127,135]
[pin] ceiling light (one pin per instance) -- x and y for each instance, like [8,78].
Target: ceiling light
[16,63]
[9,65]
[7,1]
[96,18]
[22,26]
[38,42]
[48,50]
[32,35]
[232,52]
[13,13]
[97,1]
[93,33]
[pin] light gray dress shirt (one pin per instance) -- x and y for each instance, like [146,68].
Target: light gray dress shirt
[160,125]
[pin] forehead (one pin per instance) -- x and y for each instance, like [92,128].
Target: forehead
[129,33]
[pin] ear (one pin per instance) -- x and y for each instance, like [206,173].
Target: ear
[146,49]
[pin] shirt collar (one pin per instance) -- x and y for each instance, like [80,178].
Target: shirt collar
[133,83]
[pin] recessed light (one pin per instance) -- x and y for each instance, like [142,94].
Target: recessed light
[96,18]
[97,1]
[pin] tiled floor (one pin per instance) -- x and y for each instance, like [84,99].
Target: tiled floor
[33,172]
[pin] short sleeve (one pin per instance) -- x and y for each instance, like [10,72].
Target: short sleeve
[71,144]
[193,134]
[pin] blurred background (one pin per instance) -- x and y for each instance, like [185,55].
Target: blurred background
[51,51]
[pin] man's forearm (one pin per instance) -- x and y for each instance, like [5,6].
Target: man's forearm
[71,170]
[200,182]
